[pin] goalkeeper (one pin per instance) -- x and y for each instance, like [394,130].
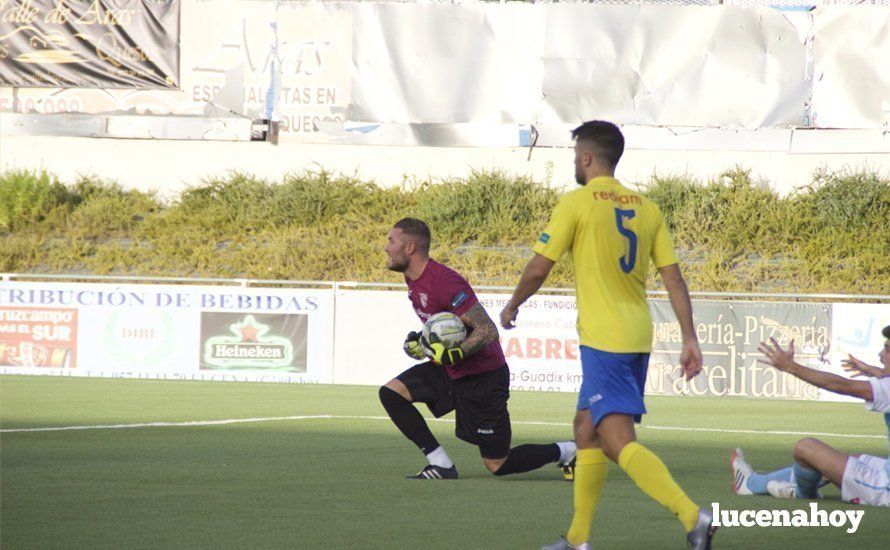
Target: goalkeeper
[472,379]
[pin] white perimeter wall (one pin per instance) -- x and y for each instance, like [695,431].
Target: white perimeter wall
[170,166]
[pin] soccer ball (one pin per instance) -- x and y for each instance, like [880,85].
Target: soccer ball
[447,326]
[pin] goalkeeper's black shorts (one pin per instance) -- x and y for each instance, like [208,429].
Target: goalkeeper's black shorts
[479,402]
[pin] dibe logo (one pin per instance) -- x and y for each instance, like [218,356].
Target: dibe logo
[140,339]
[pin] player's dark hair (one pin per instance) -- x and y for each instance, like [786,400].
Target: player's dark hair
[604,138]
[886,332]
[418,229]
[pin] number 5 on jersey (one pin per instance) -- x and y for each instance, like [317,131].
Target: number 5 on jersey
[627,262]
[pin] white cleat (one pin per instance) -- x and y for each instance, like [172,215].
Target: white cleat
[741,471]
[781,489]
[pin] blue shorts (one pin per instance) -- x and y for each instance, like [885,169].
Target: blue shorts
[612,383]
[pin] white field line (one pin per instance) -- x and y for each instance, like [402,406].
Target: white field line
[343,417]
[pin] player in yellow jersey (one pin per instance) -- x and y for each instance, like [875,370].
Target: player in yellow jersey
[613,233]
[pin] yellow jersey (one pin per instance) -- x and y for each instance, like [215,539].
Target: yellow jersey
[612,232]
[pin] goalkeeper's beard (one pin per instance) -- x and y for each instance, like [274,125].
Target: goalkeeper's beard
[398,267]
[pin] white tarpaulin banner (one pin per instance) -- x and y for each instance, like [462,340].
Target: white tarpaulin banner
[662,66]
[167,332]
[447,63]
[851,88]
[482,73]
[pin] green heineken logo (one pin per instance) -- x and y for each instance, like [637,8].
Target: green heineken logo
[248,347]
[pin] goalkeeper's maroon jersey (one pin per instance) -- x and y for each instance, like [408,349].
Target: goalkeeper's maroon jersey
[439,289]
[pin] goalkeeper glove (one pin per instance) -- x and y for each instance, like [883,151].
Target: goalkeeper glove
[412,346]
[439,354]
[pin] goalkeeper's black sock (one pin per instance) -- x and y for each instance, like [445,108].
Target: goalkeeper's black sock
[526,458]
[408,420]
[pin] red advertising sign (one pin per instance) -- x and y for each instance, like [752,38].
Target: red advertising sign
[38,337]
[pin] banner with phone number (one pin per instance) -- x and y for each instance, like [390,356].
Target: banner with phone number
[293,335]
[167,332]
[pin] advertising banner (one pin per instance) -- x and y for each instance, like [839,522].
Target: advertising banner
[38,337]
[89,43]
[729,334]
[350,336]
[543,349]
[375,320]
[234,341]
[284,61]
[171,331]
[856,331]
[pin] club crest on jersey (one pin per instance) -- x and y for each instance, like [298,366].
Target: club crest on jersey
[458,299]
[424,299]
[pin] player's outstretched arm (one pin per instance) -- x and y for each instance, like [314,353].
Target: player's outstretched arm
[690,357]
[857,367]
[784,361]
[533,276]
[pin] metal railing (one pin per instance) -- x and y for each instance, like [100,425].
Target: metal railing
[338,285]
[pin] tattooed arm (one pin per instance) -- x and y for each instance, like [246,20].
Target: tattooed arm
[482,330]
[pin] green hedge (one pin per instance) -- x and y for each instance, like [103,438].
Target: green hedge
[733,233]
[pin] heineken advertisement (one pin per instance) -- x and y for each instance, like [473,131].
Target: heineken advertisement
[235,341]
[170,332]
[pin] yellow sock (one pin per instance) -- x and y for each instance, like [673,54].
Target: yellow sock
[652,476]
[591,467]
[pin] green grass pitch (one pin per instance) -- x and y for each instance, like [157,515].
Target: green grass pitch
[338,482]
